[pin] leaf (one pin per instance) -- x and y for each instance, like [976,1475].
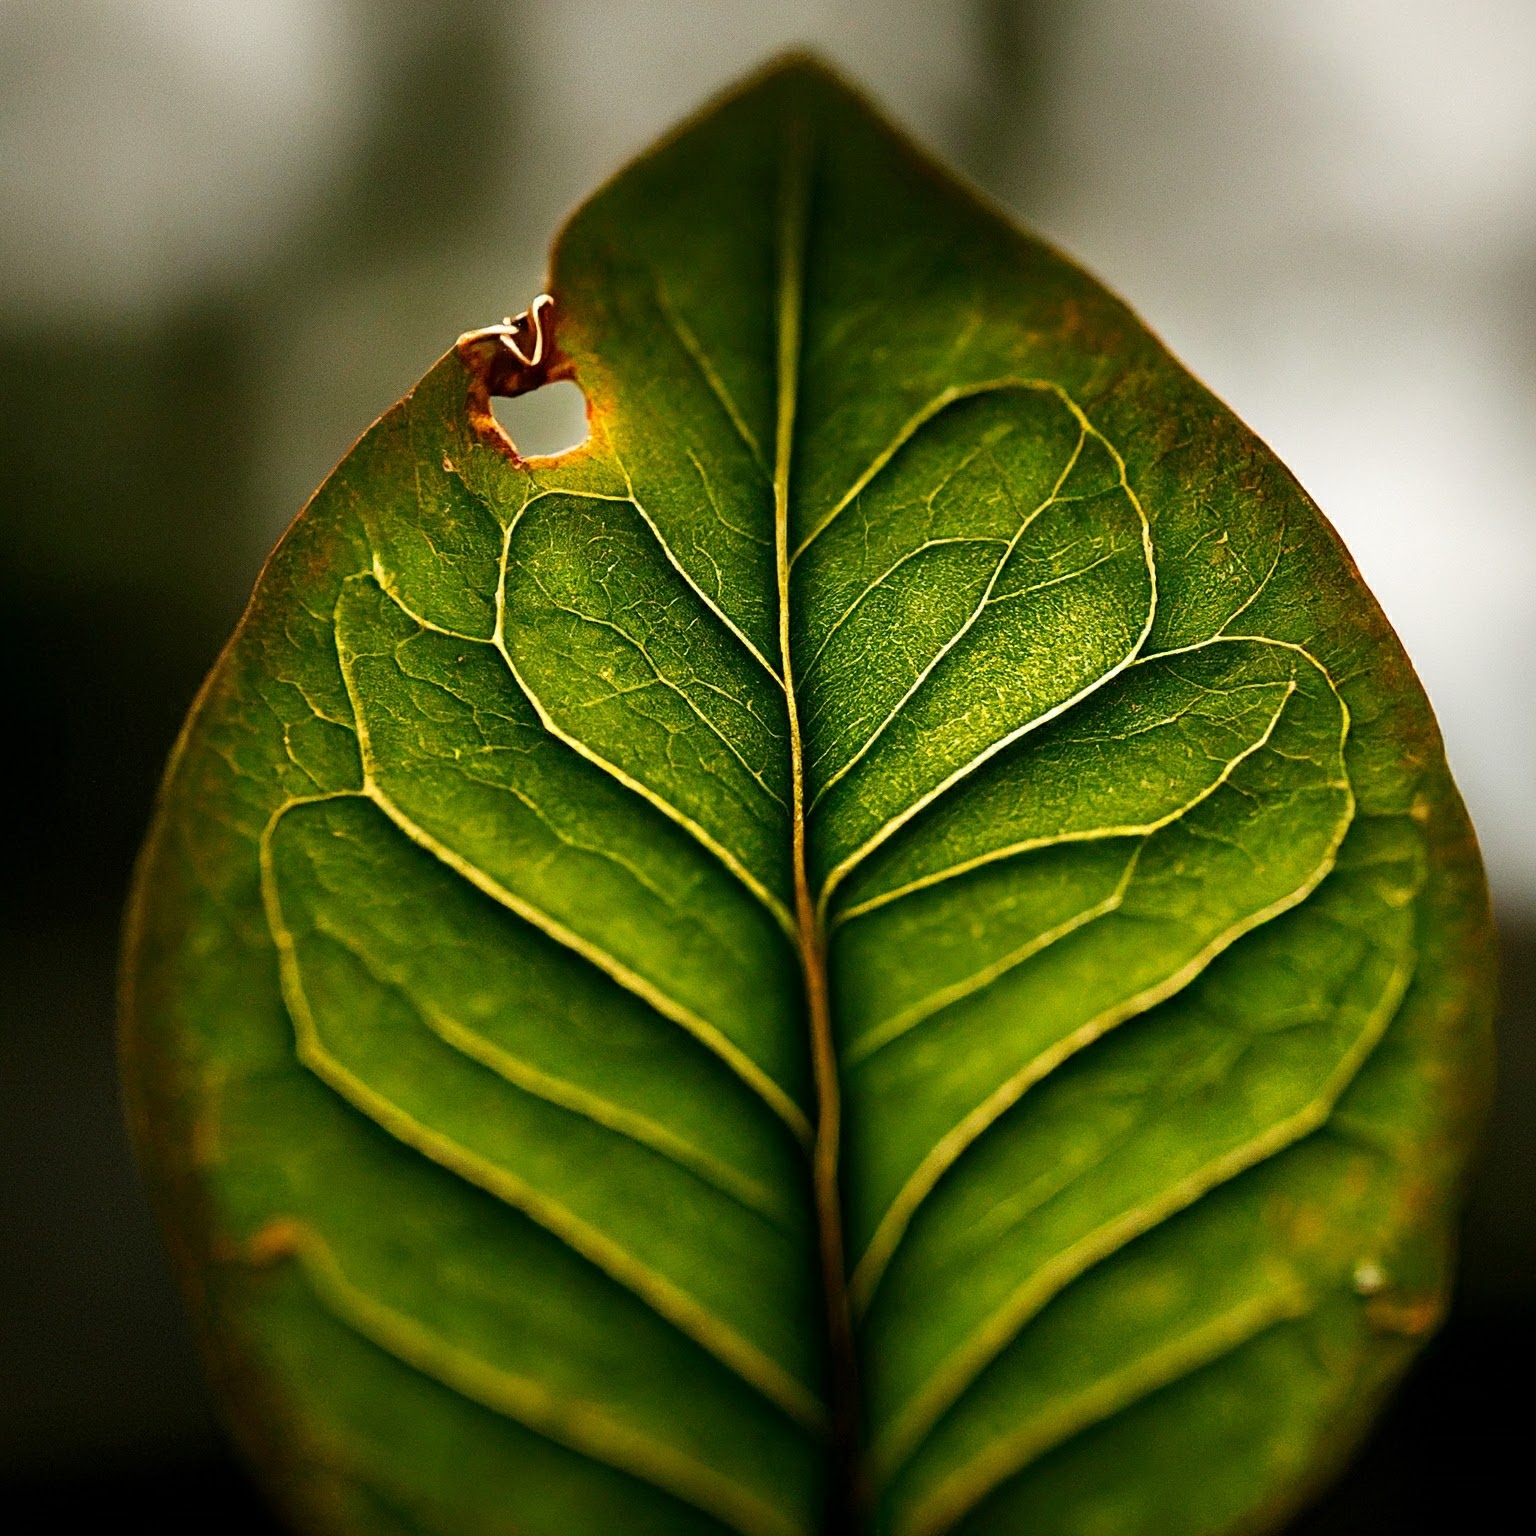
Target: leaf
[888,943]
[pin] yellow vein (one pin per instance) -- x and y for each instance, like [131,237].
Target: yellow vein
[592,1431]
[388,584]
[596,849]
[614,1117]
[709,1035]
[884,576]
[843,868]
[701,1029]
[661,680]
[677,565]
[1088,835]
[720,517]
[892,1028]
[965,1364]
[940,402]
[684,1311]
[845,1453]
[691,345]
[949,1148]
[930,543]
[775,906]
[1280,645]
[522,478]
[1259,589]
[972,619]
[570,1096]
[995,856]
[1285,1300]
[1055,581]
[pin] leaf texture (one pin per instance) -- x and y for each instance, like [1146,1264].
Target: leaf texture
[886,944]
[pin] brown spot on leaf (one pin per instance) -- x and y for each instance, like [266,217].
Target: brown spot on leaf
[495,369]
[1411,1316]
[279,1239]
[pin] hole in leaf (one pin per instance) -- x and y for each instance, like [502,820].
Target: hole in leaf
[545,421]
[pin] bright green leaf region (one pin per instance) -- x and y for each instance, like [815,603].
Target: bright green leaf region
[886,946]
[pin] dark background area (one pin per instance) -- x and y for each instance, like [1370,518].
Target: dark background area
[160,421]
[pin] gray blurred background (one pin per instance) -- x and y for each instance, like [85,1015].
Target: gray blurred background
[233,231]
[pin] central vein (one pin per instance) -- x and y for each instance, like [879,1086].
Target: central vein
[843,1500]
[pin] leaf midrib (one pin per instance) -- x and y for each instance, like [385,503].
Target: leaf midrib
[845,1441]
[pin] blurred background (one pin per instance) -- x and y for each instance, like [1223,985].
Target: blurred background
[233,231]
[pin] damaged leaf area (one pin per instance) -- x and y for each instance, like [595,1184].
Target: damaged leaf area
[887,946]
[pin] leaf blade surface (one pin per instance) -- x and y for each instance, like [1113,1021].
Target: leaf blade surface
[922,740]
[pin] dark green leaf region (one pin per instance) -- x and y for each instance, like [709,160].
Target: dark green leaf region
[884,947]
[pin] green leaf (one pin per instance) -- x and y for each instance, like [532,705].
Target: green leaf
[888,944]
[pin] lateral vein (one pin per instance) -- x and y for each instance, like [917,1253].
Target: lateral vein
[700,359]
[709,1035]
[584,1427]
[980,607]
[776,908]
[964,1365]
[1285,1300]
[892,1028]
[909,429]
[1093,834]
[612,1117]
[684,1311]
[950,1147]
[721,617]
[848,864]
